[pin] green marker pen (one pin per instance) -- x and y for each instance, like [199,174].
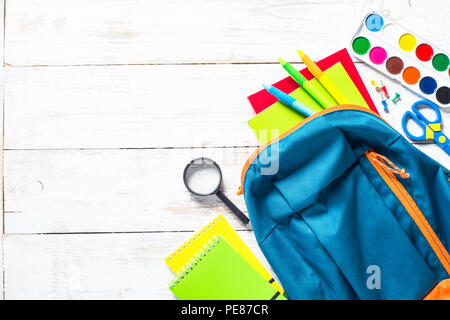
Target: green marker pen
[305,84]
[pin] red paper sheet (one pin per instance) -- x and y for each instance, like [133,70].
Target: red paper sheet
[263,99]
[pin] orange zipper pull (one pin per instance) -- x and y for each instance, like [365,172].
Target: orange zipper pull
[387,164]
[240,191]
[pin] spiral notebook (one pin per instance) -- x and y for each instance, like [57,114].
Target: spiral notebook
[180,258]
[219,272]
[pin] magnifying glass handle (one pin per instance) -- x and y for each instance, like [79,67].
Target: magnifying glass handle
[233,208]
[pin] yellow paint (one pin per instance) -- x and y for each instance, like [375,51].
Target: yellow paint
[442,139]
[407,42]
[435,126]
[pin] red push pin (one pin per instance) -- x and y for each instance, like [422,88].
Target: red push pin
[383,88]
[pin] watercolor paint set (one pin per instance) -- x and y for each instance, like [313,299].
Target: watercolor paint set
[404,57]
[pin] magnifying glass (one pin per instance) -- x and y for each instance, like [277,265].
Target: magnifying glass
[203,177]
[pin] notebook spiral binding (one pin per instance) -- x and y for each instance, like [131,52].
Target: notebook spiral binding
[197,259]
[203,232]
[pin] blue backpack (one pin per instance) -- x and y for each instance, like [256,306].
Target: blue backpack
[343,207]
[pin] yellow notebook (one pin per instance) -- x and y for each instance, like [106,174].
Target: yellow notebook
[180,258]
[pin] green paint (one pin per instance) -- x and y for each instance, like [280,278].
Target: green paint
[361,45]
[441,62]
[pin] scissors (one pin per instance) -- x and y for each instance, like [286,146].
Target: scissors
[430,129]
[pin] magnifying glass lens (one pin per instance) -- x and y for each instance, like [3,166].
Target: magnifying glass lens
[203,176]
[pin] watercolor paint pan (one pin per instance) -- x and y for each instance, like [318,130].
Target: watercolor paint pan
[404,57]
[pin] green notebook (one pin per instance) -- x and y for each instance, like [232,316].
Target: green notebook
[220,273]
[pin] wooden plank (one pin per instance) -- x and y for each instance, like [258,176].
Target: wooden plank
[1,267]
[60,191]
[131,106]
[76,32]
[2,28]
[95,266]
[146,106]
[2,289]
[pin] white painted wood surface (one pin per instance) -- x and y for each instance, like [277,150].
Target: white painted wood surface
[135,106]
[57,191]
[50,32]
[106,101]
[1,149]
[95,266]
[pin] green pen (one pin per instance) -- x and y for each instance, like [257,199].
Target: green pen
[305,84]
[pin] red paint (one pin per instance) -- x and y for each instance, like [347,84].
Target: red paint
[424,52]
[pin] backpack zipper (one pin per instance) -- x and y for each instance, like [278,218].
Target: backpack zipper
[388,171]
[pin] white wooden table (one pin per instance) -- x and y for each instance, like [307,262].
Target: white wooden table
[104,102]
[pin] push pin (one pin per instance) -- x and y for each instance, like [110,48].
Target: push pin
[385,105]
[396,98]
[383,88]
[375,85]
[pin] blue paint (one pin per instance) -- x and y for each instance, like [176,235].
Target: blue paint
[428,85]
[374,22]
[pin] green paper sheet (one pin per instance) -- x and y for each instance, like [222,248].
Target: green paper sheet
[278,118]
[222,274]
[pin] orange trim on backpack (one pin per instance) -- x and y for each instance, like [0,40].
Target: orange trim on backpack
[382,160]
[411,207]
[440,292]
[302,123]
